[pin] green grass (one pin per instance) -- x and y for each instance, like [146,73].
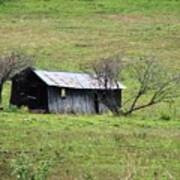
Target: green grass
[92,147]
[63,35]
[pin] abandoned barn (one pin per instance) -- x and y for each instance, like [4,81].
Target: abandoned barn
[63,92]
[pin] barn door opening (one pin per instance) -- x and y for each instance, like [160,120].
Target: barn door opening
[96,103]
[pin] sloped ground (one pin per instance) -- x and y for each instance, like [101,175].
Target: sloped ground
[91,147]
[63,35]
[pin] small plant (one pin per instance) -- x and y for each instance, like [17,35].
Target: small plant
[12,108]
[24,169]
[43,170]
[165,117]
[24,109]
[141,135]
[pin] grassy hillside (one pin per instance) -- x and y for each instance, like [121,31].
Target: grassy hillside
[63,34]
[90,147]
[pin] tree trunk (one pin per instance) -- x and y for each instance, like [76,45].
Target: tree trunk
[133,103]
[1,88]
[139,107]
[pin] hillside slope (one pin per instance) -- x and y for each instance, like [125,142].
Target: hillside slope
[88,147]
[63,34]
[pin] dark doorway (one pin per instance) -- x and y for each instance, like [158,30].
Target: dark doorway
[96,103]
[37,96]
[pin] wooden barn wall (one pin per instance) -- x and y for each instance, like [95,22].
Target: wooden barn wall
[79,101]
[76,101]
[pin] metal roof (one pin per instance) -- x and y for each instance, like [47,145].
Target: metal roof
[73,80]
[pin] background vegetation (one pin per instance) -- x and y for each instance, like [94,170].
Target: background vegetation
[63,35]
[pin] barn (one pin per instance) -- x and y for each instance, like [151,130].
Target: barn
[63,92]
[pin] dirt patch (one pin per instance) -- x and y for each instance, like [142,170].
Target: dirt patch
[128,18]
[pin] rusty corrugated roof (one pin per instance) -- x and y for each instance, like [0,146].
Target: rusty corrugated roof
[73,80]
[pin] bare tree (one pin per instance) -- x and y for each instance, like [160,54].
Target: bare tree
[155,83]
[107,72]
[10,65]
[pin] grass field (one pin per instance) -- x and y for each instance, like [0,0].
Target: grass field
[63,35]
[91,147]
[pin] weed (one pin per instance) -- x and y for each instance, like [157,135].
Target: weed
[42,171]
[23,168]
[165,117]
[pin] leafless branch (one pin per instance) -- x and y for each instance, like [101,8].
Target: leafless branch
[155,82]
[107,71]
[12,64]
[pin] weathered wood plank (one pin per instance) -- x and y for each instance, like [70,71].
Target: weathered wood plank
[78,101]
